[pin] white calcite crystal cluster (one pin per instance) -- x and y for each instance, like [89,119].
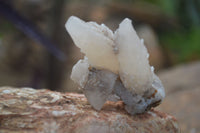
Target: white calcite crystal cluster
[115,66]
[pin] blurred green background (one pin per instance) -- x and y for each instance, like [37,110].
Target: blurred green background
[170,29]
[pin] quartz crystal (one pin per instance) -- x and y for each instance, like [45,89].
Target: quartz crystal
[95,41]
[134,69]
[115,66]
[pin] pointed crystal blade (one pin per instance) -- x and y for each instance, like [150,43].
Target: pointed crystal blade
[134,69]
[95,41]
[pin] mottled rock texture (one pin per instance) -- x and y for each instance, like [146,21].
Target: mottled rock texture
[29,110]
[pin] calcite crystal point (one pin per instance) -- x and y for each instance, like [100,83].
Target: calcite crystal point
[115,66]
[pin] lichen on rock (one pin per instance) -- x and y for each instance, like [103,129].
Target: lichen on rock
[115,64]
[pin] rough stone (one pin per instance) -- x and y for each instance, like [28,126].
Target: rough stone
[184,105]
[28,110]
[181,77]
[182,99]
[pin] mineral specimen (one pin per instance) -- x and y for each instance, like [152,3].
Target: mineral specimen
[115,66]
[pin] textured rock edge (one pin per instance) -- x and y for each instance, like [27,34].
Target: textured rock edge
[30,110]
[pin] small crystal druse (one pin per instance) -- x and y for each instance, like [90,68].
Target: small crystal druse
[115,66]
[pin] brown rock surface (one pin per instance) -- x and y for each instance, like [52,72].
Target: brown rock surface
[182,84]
[185,106]
[29,110]
[182,77]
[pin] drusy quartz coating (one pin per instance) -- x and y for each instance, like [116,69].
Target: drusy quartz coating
[115,67]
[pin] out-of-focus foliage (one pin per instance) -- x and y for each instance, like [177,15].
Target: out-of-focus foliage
[168,6]
[183,41]
[176,24]
[183,46]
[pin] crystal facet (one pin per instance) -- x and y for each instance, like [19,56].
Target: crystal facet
[116,66]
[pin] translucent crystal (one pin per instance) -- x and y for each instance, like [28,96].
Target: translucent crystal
[135,71]
[99,87]
[95,41]
[117,67]
[80,72]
